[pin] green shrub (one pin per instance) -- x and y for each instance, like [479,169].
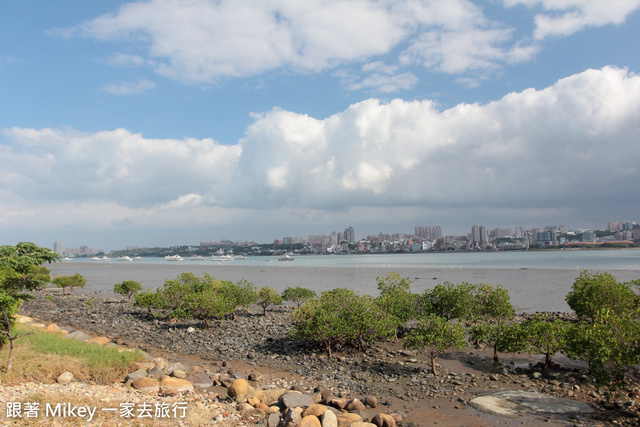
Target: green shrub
[396,300]
[593,296]
[298,295]
[268,296]
[449,301]
[127,288]
[70,282]
[545,335]
[341,317]
[435,335]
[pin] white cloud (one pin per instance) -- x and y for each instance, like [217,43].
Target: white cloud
[560,148]
[130,88]
[567,17]
[202,41]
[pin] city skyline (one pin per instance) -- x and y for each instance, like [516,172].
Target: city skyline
[158,122]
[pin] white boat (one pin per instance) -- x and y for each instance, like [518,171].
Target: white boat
[138,258]
[95,258]
[197,258]
[222,258]
[104,258]
[124,258]
[173,258]
[285,257]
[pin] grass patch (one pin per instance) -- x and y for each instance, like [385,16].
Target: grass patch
[42,356]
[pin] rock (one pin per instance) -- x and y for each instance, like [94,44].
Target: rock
[172,367]
[239,389]
[78,335]
[23,319]
[273,420]
[397,417]
[156,373]
[326,393]
[355,405]
[291,419]
[255,376]
[160,362]
[362,424]
[146,384]
[309,421]
[171,383]
[65,378]
[536,375]
[140,373]
[201,380]
[294,400]
[338,403]
[329,419]
[345,420]
[52,327]
[384,420]
[371,401]
[99,340]
[179,373]
[315,409]
[515,403]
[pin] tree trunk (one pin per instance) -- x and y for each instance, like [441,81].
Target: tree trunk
[495,354]
[433,365]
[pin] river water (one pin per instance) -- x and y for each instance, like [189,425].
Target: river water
[536,281]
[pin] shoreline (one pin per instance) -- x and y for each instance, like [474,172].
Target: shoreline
[385,370]
[530,290]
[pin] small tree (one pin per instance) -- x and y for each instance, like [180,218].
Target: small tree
[19,271]
[245,294]
[268,296]
[340,317]
[545,335]
[298,295]
[146,298]
[396,300]
[70,282]
[436,335]
[127,288]
[594,294]
[450,301]
[497,335]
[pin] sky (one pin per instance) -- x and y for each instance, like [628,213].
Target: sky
[166,122]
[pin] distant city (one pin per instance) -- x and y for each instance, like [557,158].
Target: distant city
[623,233]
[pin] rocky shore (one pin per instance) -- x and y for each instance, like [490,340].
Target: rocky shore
[398,380]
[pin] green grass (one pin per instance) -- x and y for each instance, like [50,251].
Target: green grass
[42,356]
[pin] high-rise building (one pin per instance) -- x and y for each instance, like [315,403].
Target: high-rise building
[349,235]
[57,247]
[475,234]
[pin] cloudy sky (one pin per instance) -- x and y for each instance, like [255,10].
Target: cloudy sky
[166,122]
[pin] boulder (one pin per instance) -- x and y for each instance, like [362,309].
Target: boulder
[65,378]
[172,367]
[52,327]
[156,373]
[78,335]
[355,405]
[146,384]
[272,396]
[171,383]
[310,421]
[140,373]
[99,340]
[345,420]
[338,403]
[384,420]
[315,409]
[371,401]
[239,389]
[201,380]
[294,400]
[329,419]
[273,420]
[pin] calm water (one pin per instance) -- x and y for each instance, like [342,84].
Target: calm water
[536,281]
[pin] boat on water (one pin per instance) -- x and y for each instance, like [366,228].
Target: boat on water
[138,258]
[286,257]
[173,258]
[222,257]
[95,258]
[125,258]
[197,258]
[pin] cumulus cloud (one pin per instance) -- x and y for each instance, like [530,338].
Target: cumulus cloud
[563,147]
[203,41]
[563,18]
[130,88]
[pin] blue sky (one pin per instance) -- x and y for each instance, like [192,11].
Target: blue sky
[171,122]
